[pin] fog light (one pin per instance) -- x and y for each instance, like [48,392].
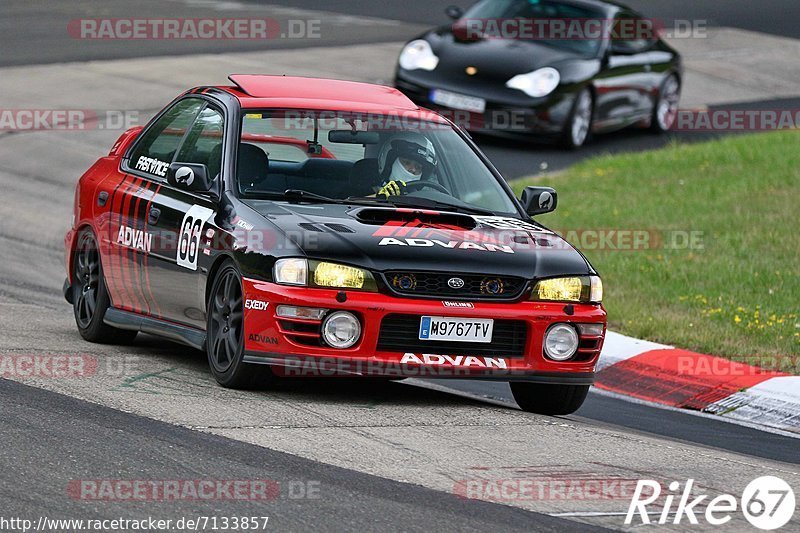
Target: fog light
[560,342]
[341,330]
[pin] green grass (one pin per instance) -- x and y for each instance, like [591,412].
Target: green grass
[737,296]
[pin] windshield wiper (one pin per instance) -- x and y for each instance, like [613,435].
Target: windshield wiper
[427,203]
[307,196]
[299,194]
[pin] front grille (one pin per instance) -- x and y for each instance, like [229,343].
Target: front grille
[400,333]
[435,284]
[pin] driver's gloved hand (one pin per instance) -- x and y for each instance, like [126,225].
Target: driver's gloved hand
[393,188]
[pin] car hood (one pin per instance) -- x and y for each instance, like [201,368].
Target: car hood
[493,58]
[383,239]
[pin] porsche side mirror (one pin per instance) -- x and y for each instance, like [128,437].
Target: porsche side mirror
[539,200]
[624,48]
[189,177]
[454,12]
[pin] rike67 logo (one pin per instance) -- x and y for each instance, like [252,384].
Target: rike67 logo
[767,503]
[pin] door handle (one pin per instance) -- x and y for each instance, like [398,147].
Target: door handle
[152,217]
[102,198]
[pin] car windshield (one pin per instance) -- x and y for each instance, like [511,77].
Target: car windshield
[568,24]
[374,158]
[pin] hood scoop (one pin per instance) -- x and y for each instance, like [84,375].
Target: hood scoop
[418,217]
[320,228]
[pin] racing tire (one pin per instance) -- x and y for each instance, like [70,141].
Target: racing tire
[549,399]
[225,334]
[665,109]
[578,129]
[90,299]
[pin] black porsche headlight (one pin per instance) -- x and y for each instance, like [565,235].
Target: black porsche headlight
[536,84]
[418,55]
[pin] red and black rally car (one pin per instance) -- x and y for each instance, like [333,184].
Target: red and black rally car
[299,227]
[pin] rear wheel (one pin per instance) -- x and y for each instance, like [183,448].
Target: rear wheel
[225,334]
[90,299]
[665,110]
[549,399]
[579,124]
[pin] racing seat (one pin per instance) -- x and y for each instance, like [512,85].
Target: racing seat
[364,177]
[253,166]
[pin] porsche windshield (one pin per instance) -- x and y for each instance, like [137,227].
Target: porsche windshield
[373,157]
[553,23]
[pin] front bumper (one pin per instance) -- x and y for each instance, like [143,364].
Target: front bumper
[517,116]
[293,347]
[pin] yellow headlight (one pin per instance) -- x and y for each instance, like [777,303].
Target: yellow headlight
[585,289]
[341,276]
[559,289]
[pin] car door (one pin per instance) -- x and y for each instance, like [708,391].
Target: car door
[123,203]
[183,220]
[624,86]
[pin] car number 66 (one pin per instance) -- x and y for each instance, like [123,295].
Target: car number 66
[191,232]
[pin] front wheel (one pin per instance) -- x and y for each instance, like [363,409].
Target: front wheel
[579,124]
[225,334]
[549,399]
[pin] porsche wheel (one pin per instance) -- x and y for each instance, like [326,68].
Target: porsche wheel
[549,399]
[665,110]
[579,125]
[225,334]
[90,299]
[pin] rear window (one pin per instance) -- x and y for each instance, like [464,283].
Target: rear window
[286,138]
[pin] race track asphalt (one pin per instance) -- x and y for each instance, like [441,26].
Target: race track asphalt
[48,437]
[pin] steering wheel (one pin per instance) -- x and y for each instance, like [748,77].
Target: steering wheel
[421,184]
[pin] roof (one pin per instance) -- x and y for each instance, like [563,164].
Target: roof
[256,91]
[605,5]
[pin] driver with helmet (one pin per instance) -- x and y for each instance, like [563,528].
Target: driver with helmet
[405,158]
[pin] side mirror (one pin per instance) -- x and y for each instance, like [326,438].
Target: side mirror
[454,12]
[539,200]
[189,177]
[626,48]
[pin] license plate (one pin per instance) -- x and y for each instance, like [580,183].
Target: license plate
[442,328]
[458,101]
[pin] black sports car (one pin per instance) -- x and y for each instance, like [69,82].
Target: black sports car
[553,68]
